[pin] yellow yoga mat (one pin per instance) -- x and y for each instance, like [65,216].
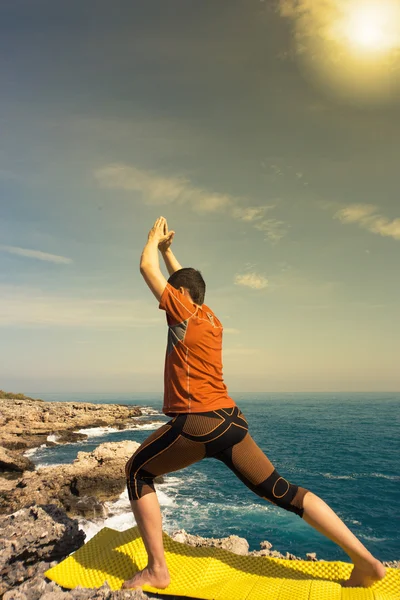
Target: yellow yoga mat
[212,573]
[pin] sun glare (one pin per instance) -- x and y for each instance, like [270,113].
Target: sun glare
[352,48]
[372,26]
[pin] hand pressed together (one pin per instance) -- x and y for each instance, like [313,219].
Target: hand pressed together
[159,233]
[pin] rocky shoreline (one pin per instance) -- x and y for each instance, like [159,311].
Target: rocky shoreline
[27,423]
[39,536]
[80,488]
[38,506]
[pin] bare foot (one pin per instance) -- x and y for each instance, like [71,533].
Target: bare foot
[366,576]
[156,578]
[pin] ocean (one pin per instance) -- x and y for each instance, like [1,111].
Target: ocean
[342,446]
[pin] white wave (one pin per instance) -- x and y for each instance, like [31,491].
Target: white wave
[355,522]
[97,431]
[171,482]
[53,438]
[330,476]
[357,475]
[101,431]
[391,477]
[244,508]
[120,514]
[371,538]
[120,522]
[164,499]
[147,426]
[90,528]
[32,451]
[149,410]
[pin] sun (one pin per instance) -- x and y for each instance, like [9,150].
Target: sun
[351,48]
[365,29]
[370,26]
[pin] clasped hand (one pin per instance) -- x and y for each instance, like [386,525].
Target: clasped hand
[160,234]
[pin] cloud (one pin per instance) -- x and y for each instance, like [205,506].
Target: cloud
[367,217]
[355,213]
[26,306]
[275,230]
[162,191]
[250,213]
[252,280]
[37,254]
[231,330]
[301,8]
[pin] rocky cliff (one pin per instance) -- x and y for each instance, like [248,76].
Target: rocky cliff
[81,488]
[26,423]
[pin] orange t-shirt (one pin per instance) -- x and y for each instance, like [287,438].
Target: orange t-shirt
[193,379]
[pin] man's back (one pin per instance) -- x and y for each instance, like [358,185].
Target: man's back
[193,380]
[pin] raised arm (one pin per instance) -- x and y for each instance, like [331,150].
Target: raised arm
[165,248]
[170,261]
[149,263]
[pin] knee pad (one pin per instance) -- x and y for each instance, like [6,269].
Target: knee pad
[279,491]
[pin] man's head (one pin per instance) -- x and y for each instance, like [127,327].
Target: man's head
[190,282]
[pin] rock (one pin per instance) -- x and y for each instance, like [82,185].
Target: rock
[266,552]
[393,564]
[40,589]
[32,588]
[276,554]
[26,423]
[8,481]
[21,441]
[11,461]
[311,556]
[99,474]
[233,543]
[68,437]
[32,536]
[265,545]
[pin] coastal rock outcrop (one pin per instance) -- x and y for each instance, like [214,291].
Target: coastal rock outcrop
[12,461]
[233,543]
[80,488]
[31,539]
[26,423]
[40,589]
[34,539]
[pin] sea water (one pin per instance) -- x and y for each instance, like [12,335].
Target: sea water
[344,447]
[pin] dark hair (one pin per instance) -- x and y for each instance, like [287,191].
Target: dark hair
[192,280]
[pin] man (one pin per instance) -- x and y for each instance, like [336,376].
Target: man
[206,422]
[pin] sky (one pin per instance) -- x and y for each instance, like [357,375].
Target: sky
[277,170]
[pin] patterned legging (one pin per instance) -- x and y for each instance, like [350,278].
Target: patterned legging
[221,434]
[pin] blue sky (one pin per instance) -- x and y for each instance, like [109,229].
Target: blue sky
[284,195]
